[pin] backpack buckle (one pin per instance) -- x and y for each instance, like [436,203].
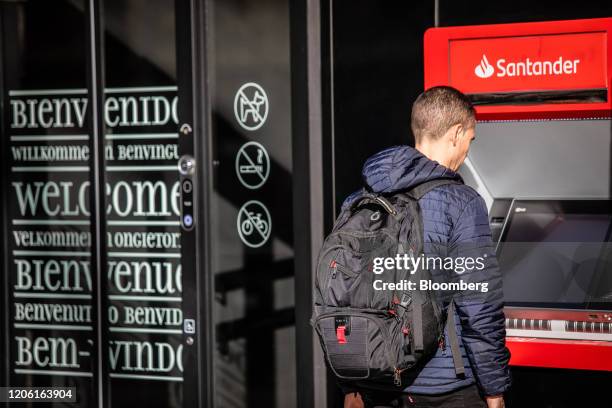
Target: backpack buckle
[404,302]
[343,328]
[341,334]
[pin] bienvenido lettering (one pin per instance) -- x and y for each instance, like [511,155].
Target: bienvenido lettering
[152,316]
[47,113]
[150,277]
[140,111]
[145,356]
[67,275]
[69,112]
[125,199]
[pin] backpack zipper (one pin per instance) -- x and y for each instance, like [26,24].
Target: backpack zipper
[397,377]
[442,343]
[343,269]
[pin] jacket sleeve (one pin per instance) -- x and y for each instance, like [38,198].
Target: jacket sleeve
[480,312]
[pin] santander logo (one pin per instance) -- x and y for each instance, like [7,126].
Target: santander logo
[484,69]
[526,67]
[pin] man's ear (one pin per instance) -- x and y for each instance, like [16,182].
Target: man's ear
[455,133]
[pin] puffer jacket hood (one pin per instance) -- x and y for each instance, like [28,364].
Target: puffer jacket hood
[400,168]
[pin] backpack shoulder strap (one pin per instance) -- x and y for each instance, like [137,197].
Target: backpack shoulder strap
[419,191]
[454,340]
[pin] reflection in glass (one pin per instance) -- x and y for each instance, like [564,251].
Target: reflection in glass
[142,199]
[47,277]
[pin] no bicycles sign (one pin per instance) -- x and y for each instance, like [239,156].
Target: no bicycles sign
[254,224]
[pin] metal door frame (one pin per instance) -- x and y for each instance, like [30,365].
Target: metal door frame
[194,110]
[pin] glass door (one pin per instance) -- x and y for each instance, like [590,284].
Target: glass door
[144,285]
[251,204]
[48,309]
[100,205]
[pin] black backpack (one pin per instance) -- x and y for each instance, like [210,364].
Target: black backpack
[378,338]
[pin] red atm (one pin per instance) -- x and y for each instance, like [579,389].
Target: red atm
[542,160]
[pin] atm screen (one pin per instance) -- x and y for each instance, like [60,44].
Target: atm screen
[557,254]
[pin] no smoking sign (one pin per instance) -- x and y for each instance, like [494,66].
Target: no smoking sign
[252,165]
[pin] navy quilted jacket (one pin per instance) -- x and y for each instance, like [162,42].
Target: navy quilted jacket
[453,215]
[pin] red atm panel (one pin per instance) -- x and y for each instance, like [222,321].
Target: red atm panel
[570,354]
[531,71]
[544,70]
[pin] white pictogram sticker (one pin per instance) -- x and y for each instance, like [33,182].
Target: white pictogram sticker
[254,224]
[252,165]
[251,106]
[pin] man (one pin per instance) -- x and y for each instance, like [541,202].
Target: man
[454,216]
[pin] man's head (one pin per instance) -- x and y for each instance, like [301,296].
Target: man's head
[443,122]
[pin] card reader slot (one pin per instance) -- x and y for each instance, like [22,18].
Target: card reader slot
[538,97]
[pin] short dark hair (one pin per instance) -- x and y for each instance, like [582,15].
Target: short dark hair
[439,108]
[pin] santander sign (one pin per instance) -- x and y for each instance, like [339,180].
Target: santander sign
[529,63]
[526,67]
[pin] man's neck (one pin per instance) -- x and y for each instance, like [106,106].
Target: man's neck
[432,152]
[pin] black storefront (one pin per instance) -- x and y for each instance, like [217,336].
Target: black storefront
[169,171]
